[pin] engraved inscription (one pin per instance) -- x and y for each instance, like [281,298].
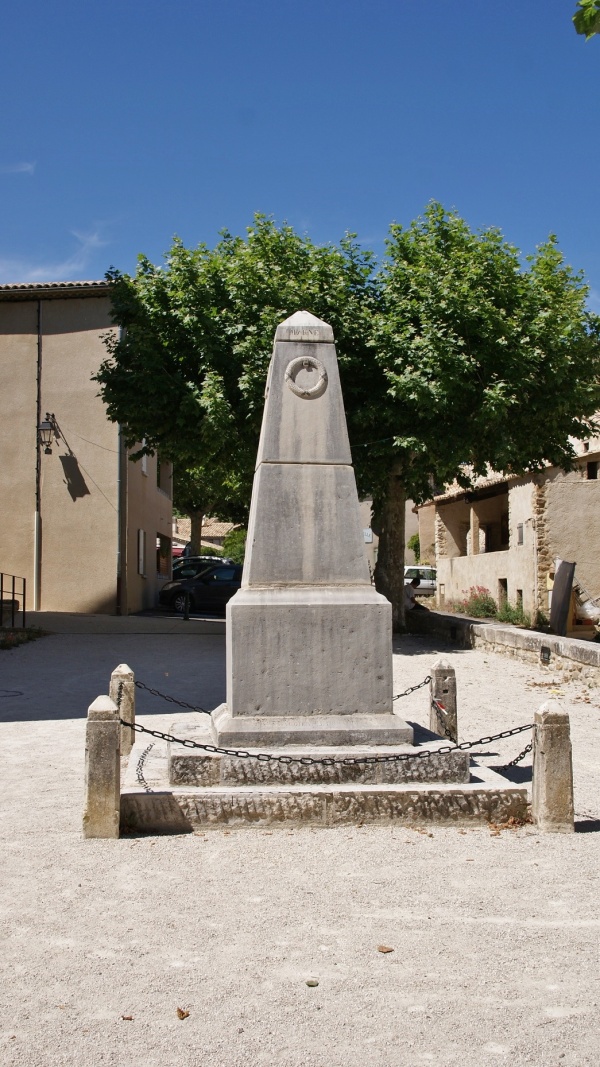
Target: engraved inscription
[306,377]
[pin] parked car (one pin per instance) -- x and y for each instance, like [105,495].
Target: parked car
[427,579]
[190,566]
[208,591]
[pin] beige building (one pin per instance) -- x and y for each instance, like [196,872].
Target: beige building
[89,530]
[506,533]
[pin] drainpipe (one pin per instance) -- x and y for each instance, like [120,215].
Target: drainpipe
[122,608]
[122,472]
[37,527]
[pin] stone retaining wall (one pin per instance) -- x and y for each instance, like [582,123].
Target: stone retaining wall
[569,658]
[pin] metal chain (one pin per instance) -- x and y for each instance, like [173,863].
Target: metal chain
[193,707]
[413,688]
[327,761]
[517,759]
[171,700]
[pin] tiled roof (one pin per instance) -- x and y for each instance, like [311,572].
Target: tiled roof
[24,290]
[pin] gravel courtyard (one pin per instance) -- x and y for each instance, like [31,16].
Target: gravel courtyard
[195,951]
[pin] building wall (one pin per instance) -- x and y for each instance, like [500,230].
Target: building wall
[18,436]
[92,501]
[79,497]
[427,514]
[573,524]
[149,508]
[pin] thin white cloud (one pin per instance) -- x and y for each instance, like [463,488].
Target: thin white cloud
[21,270]
[17,168]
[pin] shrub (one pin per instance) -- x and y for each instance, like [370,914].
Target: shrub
[514,615]
[414,545]
[234,545]
[478,602]
[12,638]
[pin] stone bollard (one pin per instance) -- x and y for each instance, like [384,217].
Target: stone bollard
[102,770]
[552,785]
[124,674]
[443,689]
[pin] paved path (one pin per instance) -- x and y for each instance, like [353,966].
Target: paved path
[496,935]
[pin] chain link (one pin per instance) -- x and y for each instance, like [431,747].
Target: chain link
[413,688]
[171,700]
[193,707]
[517,759]
[325,761]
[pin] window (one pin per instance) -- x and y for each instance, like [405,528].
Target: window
[163,555]
[520,599]
[142,552]
[520,534]
[592,470]
[144,459]
[163,476]
[224,574]
[502,590]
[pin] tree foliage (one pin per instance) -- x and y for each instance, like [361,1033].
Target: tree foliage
[453,357]
[587,18]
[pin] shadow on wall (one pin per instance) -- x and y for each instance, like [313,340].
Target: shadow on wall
[74,480]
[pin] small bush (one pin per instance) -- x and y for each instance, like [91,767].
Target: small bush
[478,602]
[234,545]
[12,638]
[513,615]
[414,545]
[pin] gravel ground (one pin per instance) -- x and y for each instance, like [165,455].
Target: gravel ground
[495,935]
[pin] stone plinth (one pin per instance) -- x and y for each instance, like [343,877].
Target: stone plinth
[552,805]
[203,769]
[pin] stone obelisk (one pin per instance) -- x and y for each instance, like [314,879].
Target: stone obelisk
[309,640]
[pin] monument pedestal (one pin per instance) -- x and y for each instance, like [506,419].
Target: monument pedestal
[256,731]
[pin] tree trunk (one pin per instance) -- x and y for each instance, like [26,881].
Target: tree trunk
[196,531]
[389,570]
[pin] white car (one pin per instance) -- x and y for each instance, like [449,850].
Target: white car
[427,579]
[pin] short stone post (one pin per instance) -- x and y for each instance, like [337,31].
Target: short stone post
[102,770]
[125,676]
[443,690]
[552,785]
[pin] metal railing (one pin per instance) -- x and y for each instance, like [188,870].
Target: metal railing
[13,598]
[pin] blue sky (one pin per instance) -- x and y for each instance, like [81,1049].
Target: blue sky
[124,123]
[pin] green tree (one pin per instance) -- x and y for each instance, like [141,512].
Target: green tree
[587,18]
[487,364]
[414,544]
[452,358]
[234,545]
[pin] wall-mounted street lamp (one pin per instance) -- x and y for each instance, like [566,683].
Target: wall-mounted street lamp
[46,429]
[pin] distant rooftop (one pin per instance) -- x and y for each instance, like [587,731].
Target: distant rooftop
[29,290]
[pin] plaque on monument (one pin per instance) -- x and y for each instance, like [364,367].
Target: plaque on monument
[309,640]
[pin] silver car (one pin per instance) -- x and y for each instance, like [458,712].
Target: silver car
[427,579]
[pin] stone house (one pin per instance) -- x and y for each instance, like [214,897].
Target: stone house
[506,532]
[88,529]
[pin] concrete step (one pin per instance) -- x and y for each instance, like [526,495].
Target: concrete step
[200,769]
[150,804]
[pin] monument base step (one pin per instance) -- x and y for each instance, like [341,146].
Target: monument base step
[149,804]
[356,729]
[189,768]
